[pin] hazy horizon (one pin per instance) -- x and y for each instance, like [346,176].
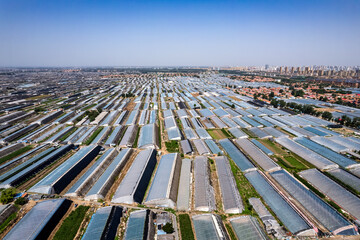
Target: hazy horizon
[211,33]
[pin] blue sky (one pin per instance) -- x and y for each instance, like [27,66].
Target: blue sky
[179,33]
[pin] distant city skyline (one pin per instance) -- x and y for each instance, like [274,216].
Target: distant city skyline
[84,33]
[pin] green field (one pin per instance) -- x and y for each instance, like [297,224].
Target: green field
[68,134]
[230,231]
[136,138]
[218,133]
[71,224]
[245,188]
[185,227]
[15,154]
[172,146]
[4,225]
[295,163]
[93,136]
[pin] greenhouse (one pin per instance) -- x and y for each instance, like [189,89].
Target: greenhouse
[201,147]
[213,147]
[259,133]
[37,166]
[310,156]
[148,137]
[133,186]
[164,187]
[346,200]
[174,133]
[132,117]
[140,226]
[103,184]
[274,132]
[58,179]
[326,152]
[203,134]
[183,198]
[326,215]
[231,199]
[346,178]
[238,157]
[129,137]
[247,228]
[218,122]
[25,164]
[241,123]
[288,216]
[104,223]
[336,147]
[257,155]
[204,193]
[186,147]
[84,183]
[209,227]
[237,133]
[40,221]
[114,136]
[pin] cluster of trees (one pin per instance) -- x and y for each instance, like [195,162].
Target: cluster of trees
[40,109]
[298,93]
[7,195]
[92,114]
[127,95]
[347,121]
[306,108]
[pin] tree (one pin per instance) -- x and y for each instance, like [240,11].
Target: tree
[232,105]
[282,103]
[271,95]
[7,195]
[327,115]
[168,228]
[21,201]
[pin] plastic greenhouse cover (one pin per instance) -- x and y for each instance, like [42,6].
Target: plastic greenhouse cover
[325,214]
[281,208]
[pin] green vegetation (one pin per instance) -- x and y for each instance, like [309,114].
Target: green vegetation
[71,224]
[179,123]
[16,153]
[88,107]
[185,227]
[168,228]
[230,231]
[295,163]
[159,133]
[272,146]
[92,114]
[66,106]
[245,130]
[93,136]
[172,146]
[68,134]
[218,133]
[4,225]
[21,201]
[40,109]
[245,188]
[136,138]
[226,133]
[7,195]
